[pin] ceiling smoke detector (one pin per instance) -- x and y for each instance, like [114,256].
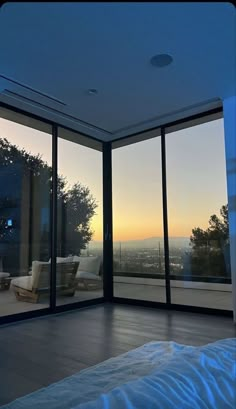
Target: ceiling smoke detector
[161,60]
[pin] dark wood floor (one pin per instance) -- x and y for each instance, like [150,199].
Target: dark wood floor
[35,353]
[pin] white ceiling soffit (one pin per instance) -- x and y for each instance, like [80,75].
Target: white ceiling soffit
[52,54]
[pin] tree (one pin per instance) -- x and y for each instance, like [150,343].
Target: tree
[218,231]
[76,205]
[210,247]
[79,208]
[11,155]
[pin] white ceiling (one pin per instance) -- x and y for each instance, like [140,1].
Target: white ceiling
[64,49]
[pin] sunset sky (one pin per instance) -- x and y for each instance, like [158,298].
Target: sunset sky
[196,178]
[196,182]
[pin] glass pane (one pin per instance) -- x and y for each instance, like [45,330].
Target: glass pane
[198,217]
[25,186]
[137,222]
[79,227]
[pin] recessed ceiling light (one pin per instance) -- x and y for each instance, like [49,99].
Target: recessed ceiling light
[161,60]
[92,91]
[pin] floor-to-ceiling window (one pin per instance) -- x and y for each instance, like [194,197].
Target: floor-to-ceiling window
[197,213]
[26,214]
[25,186]
[138,250]
[198,216]
[79,218]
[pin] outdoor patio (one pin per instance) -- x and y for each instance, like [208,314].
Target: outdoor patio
[185,296]
[220,299]
[9,305]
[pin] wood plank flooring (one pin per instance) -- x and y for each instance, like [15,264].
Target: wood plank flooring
[38,352]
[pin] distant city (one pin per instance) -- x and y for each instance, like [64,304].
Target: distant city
[150,242]
[145,256]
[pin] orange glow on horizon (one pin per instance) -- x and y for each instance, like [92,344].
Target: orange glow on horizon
[125,232]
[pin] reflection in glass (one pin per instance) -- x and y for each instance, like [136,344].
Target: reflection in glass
[79,228]
[198,217]
[25,185]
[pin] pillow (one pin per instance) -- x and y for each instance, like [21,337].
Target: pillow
[24,282]
[36,268]
[87,275]
[63,259]
[43,279]
[89,264]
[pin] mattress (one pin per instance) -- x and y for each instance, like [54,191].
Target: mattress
[163,375]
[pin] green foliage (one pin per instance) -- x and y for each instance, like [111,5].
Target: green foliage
[79,208]
[210,247]
[76,205]
[216,234]
[11,155]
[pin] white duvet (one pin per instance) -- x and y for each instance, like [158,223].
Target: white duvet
[161,375]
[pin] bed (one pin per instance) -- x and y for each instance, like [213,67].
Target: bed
[163,375]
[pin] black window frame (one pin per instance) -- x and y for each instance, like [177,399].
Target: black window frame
[107,148]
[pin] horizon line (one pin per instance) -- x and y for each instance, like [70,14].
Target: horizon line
[147,238]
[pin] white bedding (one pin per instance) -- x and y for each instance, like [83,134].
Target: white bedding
[157,375]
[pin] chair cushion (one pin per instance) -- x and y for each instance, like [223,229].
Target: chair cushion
[88,264]
[41,279]
[87,275]
[4,275]
[63,259]
[36,268]
[24,282]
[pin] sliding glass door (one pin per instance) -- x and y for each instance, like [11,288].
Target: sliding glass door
[198,216]
[26,214]
[25,201]
[198,252]
[79,219]
[138,250]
